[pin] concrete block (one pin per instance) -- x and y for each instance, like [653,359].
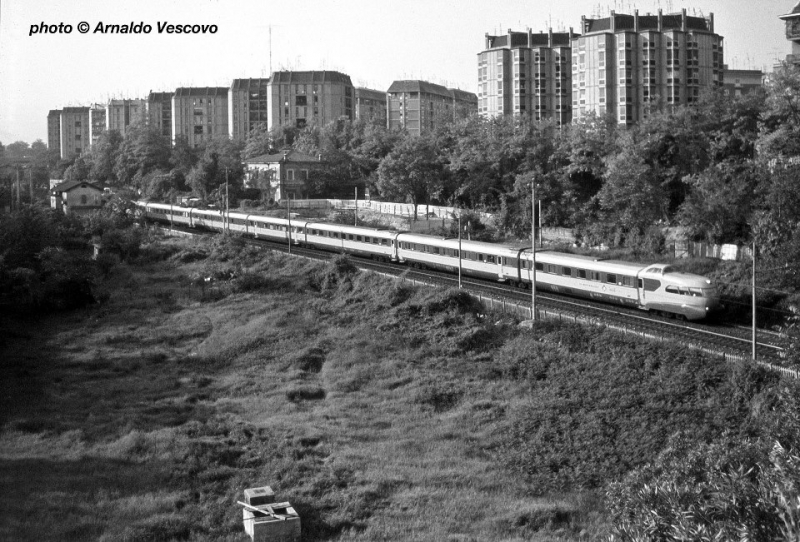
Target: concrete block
[278,522]
[256,496]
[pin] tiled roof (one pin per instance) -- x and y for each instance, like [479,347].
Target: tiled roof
[66,186]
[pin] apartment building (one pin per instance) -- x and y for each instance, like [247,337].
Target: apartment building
[120,114]
[297,98]
[371,105]
[199,114]
[97,122]
[74,125]
[627,65]
[792,21]
[54,130]
[741,82]
[247,106]
[419,106]
[159,112]
[526,73]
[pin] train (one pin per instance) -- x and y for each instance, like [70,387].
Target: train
[656,288]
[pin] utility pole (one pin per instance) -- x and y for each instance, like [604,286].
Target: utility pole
[754,301]
[19,201]
[355,207]
[289,227]
[459,248]
[533,242]
[227,206]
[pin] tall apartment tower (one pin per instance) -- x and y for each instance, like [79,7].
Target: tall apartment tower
[419,106]
[74,129]
[54,130]
[97,122]
[299,98]
[200,114]
[371,105]
[159,112]
[122,113]
[522,73]
[625,65]
[247,106]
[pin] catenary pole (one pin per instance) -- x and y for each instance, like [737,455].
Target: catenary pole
[533,243]
[754,301]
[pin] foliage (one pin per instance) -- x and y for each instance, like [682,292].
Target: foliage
[411,172]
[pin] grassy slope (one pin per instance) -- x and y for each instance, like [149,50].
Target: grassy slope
[379,411]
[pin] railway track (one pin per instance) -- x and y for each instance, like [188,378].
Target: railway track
[729,342]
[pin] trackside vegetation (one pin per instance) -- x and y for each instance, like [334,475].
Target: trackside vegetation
[381,411]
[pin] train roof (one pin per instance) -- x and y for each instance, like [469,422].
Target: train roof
[466,244]
[587,262]
[356,230]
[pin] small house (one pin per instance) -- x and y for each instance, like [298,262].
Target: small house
[76,197]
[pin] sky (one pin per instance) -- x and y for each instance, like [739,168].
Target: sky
[375,42]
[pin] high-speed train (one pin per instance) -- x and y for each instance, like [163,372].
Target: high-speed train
[654,287]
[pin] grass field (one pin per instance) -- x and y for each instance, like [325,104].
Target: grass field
[380,411]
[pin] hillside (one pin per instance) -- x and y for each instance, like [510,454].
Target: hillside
[380,411]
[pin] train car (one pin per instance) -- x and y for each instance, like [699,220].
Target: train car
[163,212]
[478,259]
[365,242]
[585,276]
[656,287]
[274,229]
[664,290]
[206,218]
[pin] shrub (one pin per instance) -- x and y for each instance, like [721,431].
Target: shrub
[305,393]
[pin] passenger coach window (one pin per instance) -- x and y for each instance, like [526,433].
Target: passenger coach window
[581,273]
[611,279]
[566,272]
[539,266]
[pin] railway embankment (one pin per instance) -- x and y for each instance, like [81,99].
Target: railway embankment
[380,410]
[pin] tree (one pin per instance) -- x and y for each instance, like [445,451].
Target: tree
[78,171]
[103,157]
[411,172]
[258,142]
[221,162]
[143,150]
[631,198]
[720,202]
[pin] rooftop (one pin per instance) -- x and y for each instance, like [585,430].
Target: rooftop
[311,77]
[247,84]
[201,91]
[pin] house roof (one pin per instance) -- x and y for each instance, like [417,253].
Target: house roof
[292,156]
[792,14]
[66,186]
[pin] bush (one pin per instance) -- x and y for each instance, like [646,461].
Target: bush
[305,393]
